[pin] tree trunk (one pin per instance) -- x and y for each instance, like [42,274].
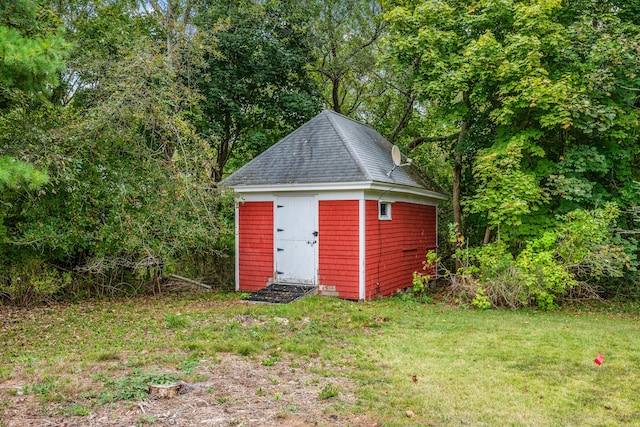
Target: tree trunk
[487,231]
[457,170]
[487,236]
[335,95]
[224,149]
[457,178]
[404,119]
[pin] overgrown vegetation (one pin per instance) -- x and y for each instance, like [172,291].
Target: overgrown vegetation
[580,258]
[536,105]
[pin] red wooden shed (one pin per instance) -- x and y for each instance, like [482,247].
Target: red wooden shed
[327,206]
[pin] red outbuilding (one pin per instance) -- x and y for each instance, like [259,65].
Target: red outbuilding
[334,205]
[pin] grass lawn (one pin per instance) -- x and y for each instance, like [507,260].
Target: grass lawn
[412,364]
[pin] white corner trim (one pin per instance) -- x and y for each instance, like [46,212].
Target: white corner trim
[362,248]
[437,239]
[237,237]
[316,248]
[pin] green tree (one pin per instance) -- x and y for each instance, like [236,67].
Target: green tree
[31,55]
[554,79]
[255,85]
[345,35]
[130,186]
[540,103]
[32,50]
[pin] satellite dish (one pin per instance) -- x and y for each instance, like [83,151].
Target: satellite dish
[396,156]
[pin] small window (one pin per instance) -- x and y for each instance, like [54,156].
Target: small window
[384,210]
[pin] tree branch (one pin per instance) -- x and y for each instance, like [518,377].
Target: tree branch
[421,140]
[404,119]
[635,89]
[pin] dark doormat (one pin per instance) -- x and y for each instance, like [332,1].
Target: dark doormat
[281,294]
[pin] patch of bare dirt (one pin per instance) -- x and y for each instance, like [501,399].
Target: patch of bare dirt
[235,391]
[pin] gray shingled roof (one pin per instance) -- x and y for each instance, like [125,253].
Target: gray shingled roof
[329,148]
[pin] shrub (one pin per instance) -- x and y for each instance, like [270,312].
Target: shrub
[584,249]
[31,282]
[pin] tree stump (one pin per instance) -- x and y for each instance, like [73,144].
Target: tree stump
[164,390]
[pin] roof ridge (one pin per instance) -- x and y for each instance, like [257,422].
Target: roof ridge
[335,113]
[356,158]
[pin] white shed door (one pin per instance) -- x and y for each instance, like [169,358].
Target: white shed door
[296,239]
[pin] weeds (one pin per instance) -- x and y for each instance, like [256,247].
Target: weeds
[76,410]
[146,419]
[132,387]
[176,321]
[188,366]
[274,380]
[270,361]
[107,356]
[48,389]
[328,391]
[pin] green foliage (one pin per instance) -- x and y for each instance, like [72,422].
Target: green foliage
[174,321]
[544,277]
[16,178]
[117,119]
[255,84]
[581,252]
[76,410]
[270,361]
[188,366]
[14,175]
[328,391]
[132,387]
[48,388]
[345,36]
[421,280]
[31,281]
[506,191]
[480,300]
[129,183]
[547,93]
[32,51]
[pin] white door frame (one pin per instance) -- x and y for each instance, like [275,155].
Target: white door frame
[312,242]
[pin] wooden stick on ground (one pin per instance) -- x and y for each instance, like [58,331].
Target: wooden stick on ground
[193,282]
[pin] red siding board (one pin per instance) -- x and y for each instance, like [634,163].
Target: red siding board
[339,247]
[396,248]
[255,246]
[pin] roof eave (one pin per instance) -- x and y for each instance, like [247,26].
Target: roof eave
[338,186]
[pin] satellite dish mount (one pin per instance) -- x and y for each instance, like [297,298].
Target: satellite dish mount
[396,156]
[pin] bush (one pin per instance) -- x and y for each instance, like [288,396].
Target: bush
[580,253]
[31,282]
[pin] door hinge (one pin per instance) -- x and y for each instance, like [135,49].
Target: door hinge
[315,234]
[280,206]
[279,272]
[279,229]
[280,249]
